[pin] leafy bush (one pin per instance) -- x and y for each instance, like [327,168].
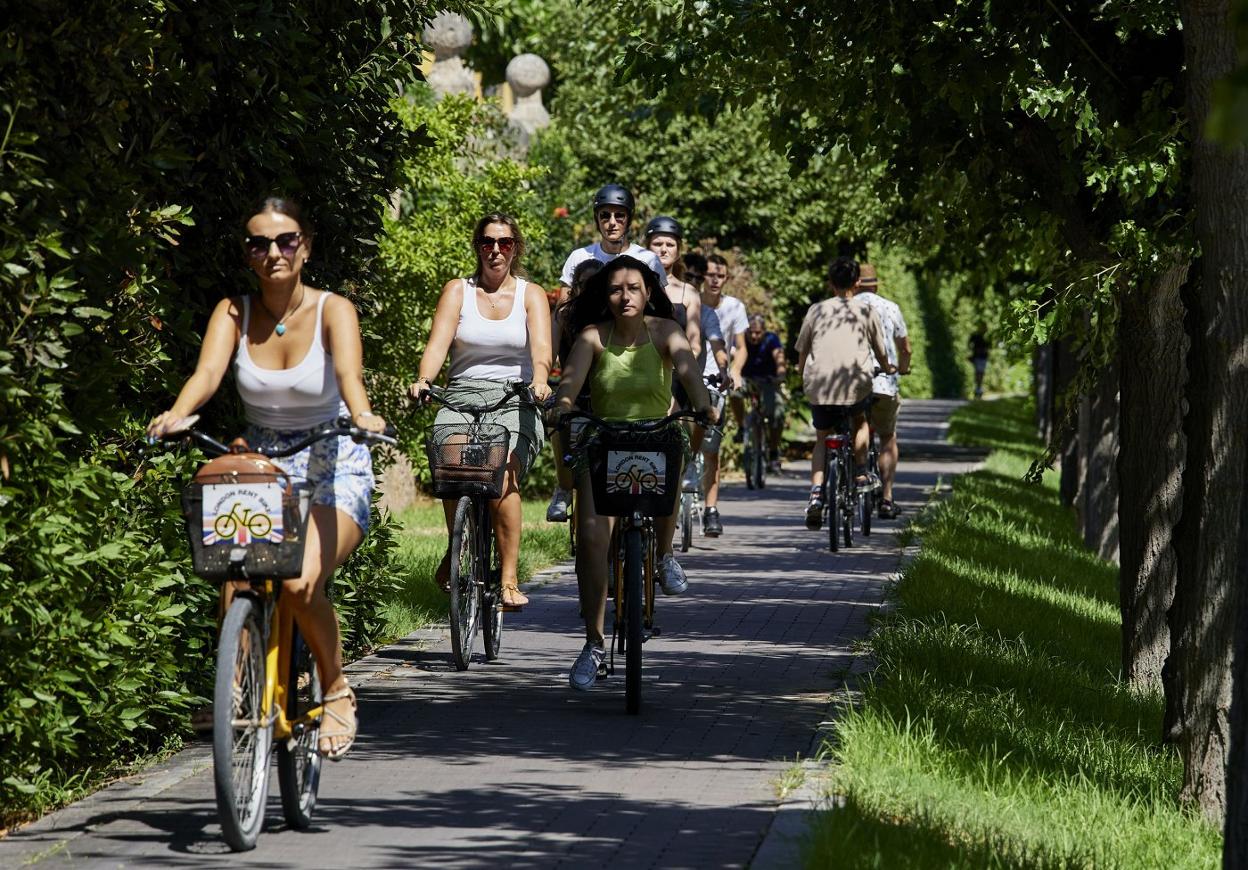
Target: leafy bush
[136,136]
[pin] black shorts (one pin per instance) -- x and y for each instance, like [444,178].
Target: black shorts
[681,397]
[833,418]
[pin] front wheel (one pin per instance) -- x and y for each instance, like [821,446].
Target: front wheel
[464,572]
[634,614]
[298,761]
[492,608]
[241,733]
[866,503]
[686,521]
[760,455]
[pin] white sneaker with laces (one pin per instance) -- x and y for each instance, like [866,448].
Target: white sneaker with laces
[585,668]
[557,510]
[671,576]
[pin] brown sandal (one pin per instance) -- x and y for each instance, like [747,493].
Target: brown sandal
[343,727]
[510,594]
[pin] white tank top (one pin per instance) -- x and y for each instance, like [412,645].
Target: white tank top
[492,350]
[299,397]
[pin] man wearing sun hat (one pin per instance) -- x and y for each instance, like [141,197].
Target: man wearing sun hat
[887,397]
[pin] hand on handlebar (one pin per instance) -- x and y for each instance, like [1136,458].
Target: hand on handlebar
[169,423]
[540,391]
[419,391]
[370,423]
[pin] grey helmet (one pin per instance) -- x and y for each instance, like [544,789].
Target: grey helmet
[614,194]
[665,225]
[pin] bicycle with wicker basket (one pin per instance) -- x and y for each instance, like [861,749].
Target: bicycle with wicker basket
[246,519]
[634,471]
[468,462]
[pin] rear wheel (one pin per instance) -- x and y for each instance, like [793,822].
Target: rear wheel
[241,735]
[832,494]
[760,453]
[849,504]
[298,762]
[634,614]
[866,503]
[465,616]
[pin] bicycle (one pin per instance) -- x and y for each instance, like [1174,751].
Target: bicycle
[691,500]
[843,500]
[246,520]
[468,462]
[757,428]
[634,470]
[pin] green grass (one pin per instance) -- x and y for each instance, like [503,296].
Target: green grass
[422,541]
[994,731]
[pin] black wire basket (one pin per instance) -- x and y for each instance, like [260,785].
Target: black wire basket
[636,472]
[468,459]
[247,526]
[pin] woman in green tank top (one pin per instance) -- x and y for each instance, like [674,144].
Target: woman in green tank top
[627,347]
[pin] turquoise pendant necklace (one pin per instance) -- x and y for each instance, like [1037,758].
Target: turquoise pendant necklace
[280,329]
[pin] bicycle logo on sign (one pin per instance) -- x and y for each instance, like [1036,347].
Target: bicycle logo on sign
[242,522]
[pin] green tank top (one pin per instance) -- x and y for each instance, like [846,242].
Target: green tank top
[630,383]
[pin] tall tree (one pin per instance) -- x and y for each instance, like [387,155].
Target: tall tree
[1198,673]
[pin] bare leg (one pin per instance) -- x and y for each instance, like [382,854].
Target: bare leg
[592,542]
[862,440]
[738,410]
[710,478]
[331,537]
[818,456]
[563,474]
[665,528]
[506,515]
[888,464]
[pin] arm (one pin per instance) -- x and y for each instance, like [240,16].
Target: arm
[739,356]
[782,366]
[342,328]
[804,340]
[581,359]
[538,310]
[693,321]
[676,348]
[903,355]
[720,352]
[875,333]
[445,325]
[220,340]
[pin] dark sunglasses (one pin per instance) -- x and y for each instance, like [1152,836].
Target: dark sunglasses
[505,244]
[695,277]
[607,214]
[287,244]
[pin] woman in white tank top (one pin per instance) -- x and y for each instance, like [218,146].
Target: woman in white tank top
[495,326]
[298,362]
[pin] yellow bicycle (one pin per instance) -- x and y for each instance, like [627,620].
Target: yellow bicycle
[246,520]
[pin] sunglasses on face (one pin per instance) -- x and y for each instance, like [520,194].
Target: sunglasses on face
[505,244]
[287,244]
[617,216]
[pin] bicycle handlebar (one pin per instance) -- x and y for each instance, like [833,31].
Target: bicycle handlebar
[515,388]
[638,425]
[337,428]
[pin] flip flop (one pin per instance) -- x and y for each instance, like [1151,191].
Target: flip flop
[344,728]
[513,607]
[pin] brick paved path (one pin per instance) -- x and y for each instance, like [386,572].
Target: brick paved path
[504,765]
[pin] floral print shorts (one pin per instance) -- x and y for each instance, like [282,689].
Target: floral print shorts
[339,470]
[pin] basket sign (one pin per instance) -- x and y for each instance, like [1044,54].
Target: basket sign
[242,513]
[636,472]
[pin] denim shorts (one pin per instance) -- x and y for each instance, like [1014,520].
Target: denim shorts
[339,470]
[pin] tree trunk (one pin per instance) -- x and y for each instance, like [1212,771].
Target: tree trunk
[1065,421]
[1151,377]
[1098,447]
[1042,389]
[1202,618]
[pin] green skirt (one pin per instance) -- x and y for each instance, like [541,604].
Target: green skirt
[522,422]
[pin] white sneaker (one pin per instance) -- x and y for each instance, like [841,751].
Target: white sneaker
[557,510]
[585,668]
[671,576]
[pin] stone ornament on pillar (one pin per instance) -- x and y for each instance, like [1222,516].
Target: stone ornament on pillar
[527,74]
[449,35]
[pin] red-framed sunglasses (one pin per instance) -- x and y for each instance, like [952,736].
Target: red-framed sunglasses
[505,244]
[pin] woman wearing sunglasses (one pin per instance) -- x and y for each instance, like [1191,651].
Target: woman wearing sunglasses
[495,326]
[298,363]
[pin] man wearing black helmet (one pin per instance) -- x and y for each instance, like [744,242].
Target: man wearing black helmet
[613,212]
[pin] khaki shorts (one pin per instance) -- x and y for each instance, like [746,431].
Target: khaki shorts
[884,413]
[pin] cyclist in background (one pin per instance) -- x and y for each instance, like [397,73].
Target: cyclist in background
[733,322]
[613,207]
[886,395]
[496,327]
[840,342]
[298,362]
[627,347]
[765,368]
[664,236]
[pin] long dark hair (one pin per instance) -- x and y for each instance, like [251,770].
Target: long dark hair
[591,306]
[498,217]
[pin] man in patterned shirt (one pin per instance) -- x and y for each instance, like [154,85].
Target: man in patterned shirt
[885,386]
